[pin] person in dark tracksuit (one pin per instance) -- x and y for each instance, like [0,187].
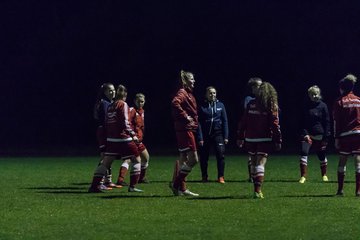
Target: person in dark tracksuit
[315,132]
[213,131]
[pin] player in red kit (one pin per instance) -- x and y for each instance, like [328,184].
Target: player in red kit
[259,131]
[120,143]
[136,119]
[184,111]
[346,114]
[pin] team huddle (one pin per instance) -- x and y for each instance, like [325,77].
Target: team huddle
[120,134]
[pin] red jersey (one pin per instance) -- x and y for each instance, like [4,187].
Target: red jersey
[184,105]
[118,128]
[136,119]
[346,113]
[259,125]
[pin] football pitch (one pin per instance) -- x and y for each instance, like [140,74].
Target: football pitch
[46,198]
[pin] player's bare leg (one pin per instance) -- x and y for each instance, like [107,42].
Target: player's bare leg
[100,172]
[259,174]
[135,174]
[145,157]
[187,161]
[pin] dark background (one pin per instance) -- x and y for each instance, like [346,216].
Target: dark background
[55,55]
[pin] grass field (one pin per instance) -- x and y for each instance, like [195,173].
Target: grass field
[46,198]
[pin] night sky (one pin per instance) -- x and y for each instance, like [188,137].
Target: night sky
[56,54]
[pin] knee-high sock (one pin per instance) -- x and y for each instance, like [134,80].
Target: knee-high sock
[134,174]
[108,176]
[303,166]
[144,167]
[99,173]
[341,176]
[249,169]
[122,172]
[259,177]
[323,166]
[180,182]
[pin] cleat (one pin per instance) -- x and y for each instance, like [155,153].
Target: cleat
[325,178]
[302,180]
[258,195]
[132,189]
[112,185]
[144,181]
[221,180]
[187,193]
[340,193]
[94,190]
[122,183]
[104,187]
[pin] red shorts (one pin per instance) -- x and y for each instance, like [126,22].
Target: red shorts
[122,149]
[141,147]
[186,141]
[101,137]
[349,144]
[259,148]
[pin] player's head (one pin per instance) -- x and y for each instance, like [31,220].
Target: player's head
[121,92]
[187,79]
[254,84]
[139,100]
[314,93]
[267,96]
[106,91]
[347,84]
[210,94]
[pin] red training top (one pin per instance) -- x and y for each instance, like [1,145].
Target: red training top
[136,119]
[118,128]
[346,114]
[184,105]
[258,125]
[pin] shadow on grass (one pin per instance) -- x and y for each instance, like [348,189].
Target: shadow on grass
[63,192]
[81,184]
[310,196]
[135,196]
[54,188]
[218,198]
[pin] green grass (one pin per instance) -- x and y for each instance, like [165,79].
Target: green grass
[46,198]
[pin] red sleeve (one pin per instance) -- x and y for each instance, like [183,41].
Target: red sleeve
[128,129]
[275,127]
[132,113]
[179,112]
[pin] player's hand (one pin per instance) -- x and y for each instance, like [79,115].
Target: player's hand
[240,143]
[189,118]
[135,139]
[201,143]
[226,141]
[307,139]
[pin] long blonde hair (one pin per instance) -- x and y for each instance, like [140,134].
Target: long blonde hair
[184,76]
[267,96]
